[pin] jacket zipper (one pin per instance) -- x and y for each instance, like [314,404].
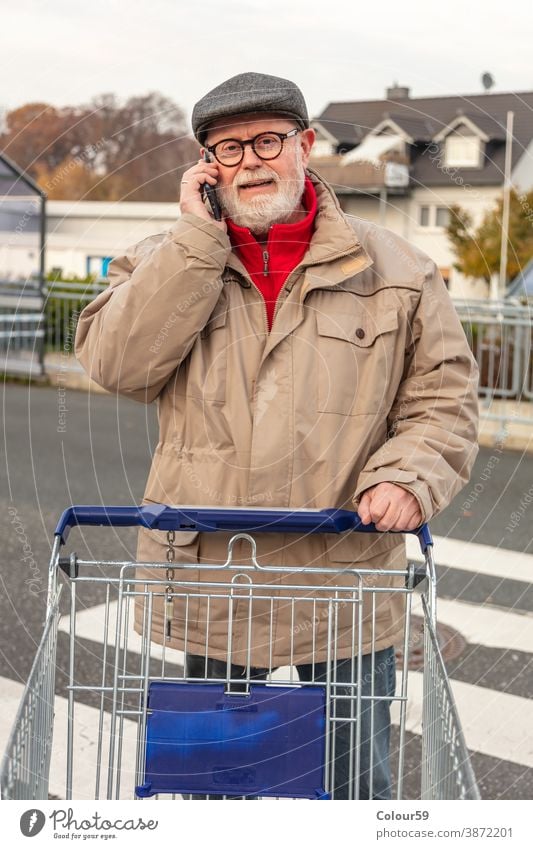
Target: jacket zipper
[297,270]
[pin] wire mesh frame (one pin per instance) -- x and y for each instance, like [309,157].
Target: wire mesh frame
[26,762]
[446,768]
[447,772]
[123,699]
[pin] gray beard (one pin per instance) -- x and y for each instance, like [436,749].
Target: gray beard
[260,213]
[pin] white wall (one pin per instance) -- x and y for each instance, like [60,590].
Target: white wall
[76,230]
[522,174]
[402,217]
[395,216]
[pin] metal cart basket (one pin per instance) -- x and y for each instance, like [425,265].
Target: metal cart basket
[134,718]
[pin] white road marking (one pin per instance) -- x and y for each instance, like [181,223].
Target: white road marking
[485,624]
[473,557]
[90,625]
[482,624]
[86,724]
[494,724]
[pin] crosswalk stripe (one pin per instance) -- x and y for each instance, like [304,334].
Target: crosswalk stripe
[90,624]
[483,625]
[86,723]
[493,723]
[474,557]
[479,625]
[85,747]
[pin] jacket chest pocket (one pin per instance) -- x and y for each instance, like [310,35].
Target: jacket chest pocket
[355,360]
[207,364]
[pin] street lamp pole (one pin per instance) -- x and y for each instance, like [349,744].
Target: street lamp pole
[506,203]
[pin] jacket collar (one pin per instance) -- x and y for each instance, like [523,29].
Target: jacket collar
[333,240]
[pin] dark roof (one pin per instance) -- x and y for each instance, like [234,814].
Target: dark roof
[487,124]
[14,182]
[419,129]
[348,121]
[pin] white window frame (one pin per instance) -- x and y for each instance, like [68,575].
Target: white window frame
[432,225]
[456,160]
[419,217]
[447,210]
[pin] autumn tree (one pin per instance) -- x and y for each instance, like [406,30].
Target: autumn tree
[103,150]
[478,249]
[38,135]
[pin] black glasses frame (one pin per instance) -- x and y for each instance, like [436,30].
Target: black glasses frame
[281,136]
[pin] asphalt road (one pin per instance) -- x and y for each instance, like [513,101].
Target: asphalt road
[98,451]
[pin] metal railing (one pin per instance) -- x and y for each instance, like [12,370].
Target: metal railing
[36,327]
[21,343]
[63,305]
[500,335]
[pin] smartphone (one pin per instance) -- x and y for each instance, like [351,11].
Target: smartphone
[211,193]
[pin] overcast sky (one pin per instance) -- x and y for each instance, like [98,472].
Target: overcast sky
[66,51]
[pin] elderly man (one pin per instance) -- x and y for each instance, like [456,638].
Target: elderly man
[299,358]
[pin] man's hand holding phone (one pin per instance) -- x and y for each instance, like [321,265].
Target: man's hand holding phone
[192,191]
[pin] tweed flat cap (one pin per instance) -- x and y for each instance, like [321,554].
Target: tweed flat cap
[249,92]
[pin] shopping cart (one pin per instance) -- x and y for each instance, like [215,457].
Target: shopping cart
[130,721]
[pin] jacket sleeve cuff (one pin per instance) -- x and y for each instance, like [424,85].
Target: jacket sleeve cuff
[407,480]
[199,234]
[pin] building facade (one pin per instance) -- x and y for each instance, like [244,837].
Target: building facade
[404,161]
[81,236]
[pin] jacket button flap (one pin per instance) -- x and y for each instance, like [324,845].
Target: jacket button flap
[361,330]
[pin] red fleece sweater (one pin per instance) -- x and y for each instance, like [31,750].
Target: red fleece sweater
[269,265]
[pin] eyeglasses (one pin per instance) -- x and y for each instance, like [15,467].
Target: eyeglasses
[230,152]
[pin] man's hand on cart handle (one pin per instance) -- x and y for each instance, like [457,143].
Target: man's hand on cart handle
[390,507]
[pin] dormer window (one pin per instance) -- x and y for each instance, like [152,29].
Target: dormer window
[463,142]
[462,151]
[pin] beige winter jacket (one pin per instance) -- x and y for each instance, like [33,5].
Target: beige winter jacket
[365,377]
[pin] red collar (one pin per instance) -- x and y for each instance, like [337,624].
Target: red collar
[269,265]
[293,236]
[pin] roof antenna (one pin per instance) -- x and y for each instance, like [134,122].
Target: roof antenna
[487,80]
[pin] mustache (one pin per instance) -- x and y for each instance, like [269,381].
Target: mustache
[261,174]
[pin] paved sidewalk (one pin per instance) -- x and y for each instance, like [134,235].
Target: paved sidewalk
[506,424]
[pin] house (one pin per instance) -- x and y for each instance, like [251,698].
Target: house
[404,161]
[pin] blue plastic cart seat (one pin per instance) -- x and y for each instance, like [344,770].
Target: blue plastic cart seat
[202,740]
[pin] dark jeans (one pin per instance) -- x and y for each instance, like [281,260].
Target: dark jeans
[375,741]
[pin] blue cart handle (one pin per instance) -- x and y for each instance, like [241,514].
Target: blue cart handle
[208,519]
